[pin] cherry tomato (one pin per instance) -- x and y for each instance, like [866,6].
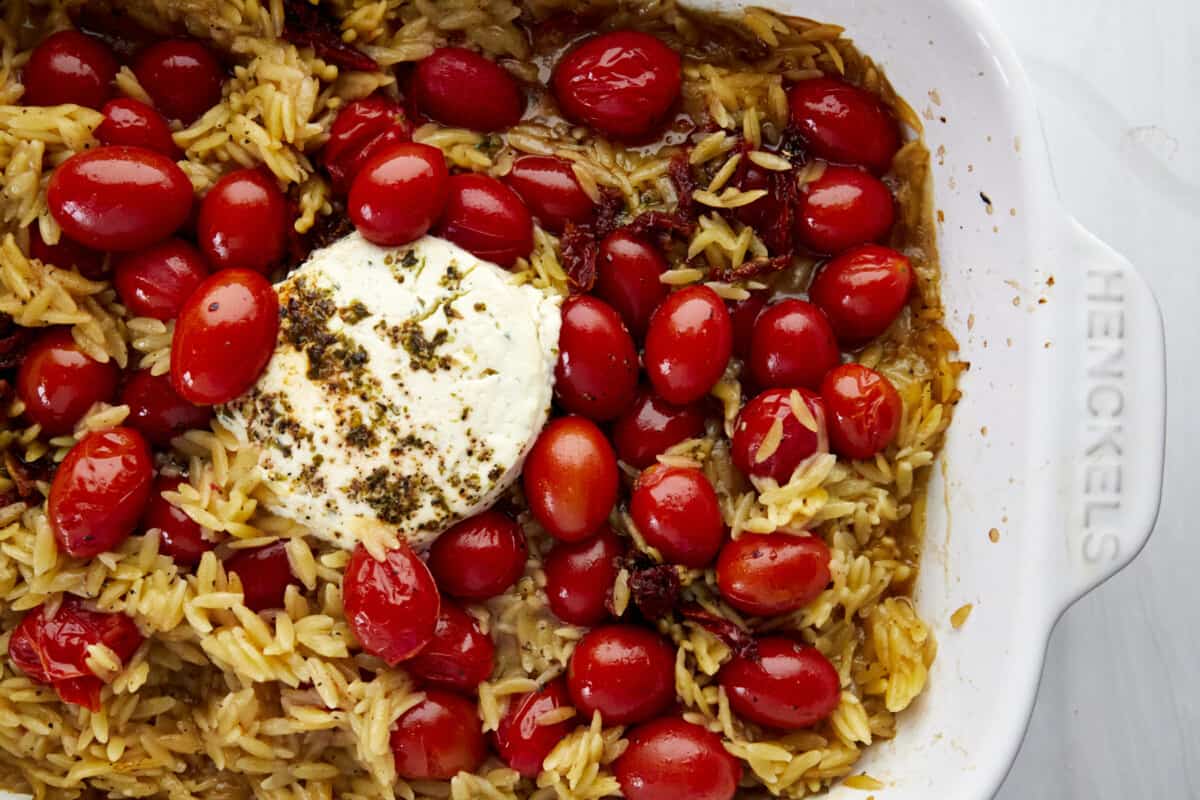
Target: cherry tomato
[132,122]
[179,536]
[597,369]
[570,478]
[677,511]
[843,123]
[99,491]
[624,672]
[265,573]
[549,187]
[580,575]
[362,129]
[461,88]
[792,345]
[652,425]
[459,656]
[790,685]
[391,605]
[743,314]
[772,573]
[157,412]
[53,649]
[521,740]
[864,410]
[487,219]
[765,210]
[622,84]
[224,337]
[669,757]
[688,344]
[243,222]
[627,277]
[156,281]
[182,76]
[69,67]
[438,738]
[759,452]
[89,263]
[479,557]
[399,193]
[843,208]
[119,198]
[862,291]
[58,382]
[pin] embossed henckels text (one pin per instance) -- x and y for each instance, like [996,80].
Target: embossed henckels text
[1104,443]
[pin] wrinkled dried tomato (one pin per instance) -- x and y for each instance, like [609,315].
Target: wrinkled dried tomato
[309,25]
[738,640]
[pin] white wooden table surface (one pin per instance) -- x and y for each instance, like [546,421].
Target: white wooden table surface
[1118,87]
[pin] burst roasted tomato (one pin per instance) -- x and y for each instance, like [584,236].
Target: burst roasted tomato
[597,369]
[438,738]
[580,576]
[132,122]
[243,222]
[363,129]
[156,411]
[843,208]
[652,425]
[179,536]
[864,410]
[522,739]
[549,187]
[99,491]
[792,345]
[69,67]
[790,686]
[156,282]
[677,511]
[688,344]
[479,557]
[767,574]
[391,605]
[843,123]
[673,758]
[570,478]
[224,337]
[57,382]
[459,656]
[487,219]
[119,198]
[399,193]
[182,77]
[265,573]
[628,269]
[778,430]
[464,89]
[622,84]
[862,291]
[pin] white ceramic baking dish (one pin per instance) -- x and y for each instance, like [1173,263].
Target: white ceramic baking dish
[1058,441]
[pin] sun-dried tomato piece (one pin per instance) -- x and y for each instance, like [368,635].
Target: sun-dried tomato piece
[741,642]
[309,25]
[579,251]
[655,590]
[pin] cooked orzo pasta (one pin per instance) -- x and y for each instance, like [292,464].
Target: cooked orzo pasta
[200,604]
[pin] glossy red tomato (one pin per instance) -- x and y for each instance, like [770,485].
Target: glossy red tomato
[69,67]
[669,757]
[651,425]
[792,345]
[479,557]
[688,344]
[521,740]
[549,187]
[391,605]
[119,198]
[53,649]
[461,88]
[765,212]
[182,76]
[99,491]
[773,573]
[625,672]
[362,129]
[487,219]
[790,685]
[58,382]
[132,122]
[399,193]
[597,369]
[570,478]
[765,451]
[459,656]
[843,123]
[156,411]
[580,575]
[438,738]
[622,84]
[843,208]
[179,536]
[864,410]
[265,573]
[156,282]
[743,314]
[66,254]
[627,277]
[677,511]
[862,291]
[244,222]
[224,337]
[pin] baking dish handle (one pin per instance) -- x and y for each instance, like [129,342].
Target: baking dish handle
[1112,422]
